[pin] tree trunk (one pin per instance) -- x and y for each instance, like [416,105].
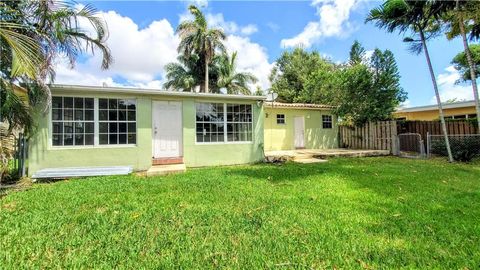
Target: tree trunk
[206,75]
[472,67]
[437,95]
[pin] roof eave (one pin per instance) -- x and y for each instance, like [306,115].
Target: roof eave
[144,91]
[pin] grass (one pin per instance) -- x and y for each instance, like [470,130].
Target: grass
[346,213]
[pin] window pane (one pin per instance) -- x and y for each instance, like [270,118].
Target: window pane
[122,104]
[79,128]
[112,139]
[122,138]
[112,115]
[68,139]
[103,138]
[57,139]
[113,128]
[78,102]
[78,114]
[112,104]
[79,139]
[103,103]
[103,115]
[132,127]
[103,127]
[68,127]
[57,127]
[89,127]
[89,139]
[57,114]
[89,103]
[122,115]
[132,138]
[67,114]
[122,127]
[68,102]
[57,102]
[89,115]
[131,116]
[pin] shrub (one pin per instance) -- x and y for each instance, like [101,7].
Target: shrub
[464,148]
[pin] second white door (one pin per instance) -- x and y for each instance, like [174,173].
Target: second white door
[299,123]
[167,129]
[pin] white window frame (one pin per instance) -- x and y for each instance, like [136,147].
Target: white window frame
[225,122]
[331,121]
[284,119]
[126,121]
[96,126]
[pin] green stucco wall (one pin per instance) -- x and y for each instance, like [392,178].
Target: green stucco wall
[281,136]
[43,155]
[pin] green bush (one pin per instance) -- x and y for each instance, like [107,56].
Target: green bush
[464,149]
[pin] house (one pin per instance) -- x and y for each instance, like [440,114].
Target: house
[111,126]
[454,110]
[298,126]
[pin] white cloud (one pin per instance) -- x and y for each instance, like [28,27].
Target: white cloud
[449,90]
[273,26]
[141,54]
[217,20]
[251,58]
[333,22]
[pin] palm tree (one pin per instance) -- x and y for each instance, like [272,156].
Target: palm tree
[416,17]
[197,38]
[184,75]
[458,13]
[235,82]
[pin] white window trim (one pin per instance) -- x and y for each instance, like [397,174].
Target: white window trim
[225,132]
[96,129]
[331,121]
[284,119]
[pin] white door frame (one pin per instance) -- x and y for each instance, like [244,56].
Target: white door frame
[156,153]
[296,143]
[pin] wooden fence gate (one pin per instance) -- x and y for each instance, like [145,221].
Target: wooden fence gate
[379,135]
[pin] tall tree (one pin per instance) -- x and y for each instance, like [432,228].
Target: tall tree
[460,62]
[292,71]
[461,17]
[197,38]
[228,77]
[415,17]
[369,88]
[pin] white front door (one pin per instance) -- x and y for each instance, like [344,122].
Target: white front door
[167,129]
[299,123]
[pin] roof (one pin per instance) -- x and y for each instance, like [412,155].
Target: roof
[452,105]
[297,106]
[144,91]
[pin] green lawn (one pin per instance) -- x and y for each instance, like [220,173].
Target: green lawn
[346,213]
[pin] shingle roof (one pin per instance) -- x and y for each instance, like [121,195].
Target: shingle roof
[297,105]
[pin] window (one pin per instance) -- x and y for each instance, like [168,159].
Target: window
[470,116]
[219,122]
[239,122]
[72,121]
[210,122]
[327,121]
[117,121]
[280,119]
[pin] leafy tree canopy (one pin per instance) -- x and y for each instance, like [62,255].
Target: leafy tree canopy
[363,89]
[461,64]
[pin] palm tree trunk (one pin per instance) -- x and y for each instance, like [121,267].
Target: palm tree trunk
[471,64]
[437,95]
[206,75]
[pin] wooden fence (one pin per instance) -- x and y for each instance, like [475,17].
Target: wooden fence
[383,135]
[374,135]
[434,128]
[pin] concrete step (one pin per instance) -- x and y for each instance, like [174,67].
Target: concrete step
[309,160]
[166,169]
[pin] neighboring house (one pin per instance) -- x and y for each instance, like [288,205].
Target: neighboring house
[454,110]
[110,126]
[297,126]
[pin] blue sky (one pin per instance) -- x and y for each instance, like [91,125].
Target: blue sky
[259,31]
